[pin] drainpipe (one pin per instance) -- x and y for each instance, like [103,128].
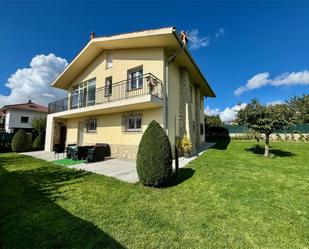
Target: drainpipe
[169,61]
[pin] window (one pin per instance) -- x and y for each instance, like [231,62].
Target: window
[135,77]
[91,125]
[109,60]
[91,92]
[133,122]
[202,129]
[108,86]
[83,94]
[191,94]
[24,120]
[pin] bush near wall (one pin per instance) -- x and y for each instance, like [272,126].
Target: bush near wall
[5,141]
[38,142]
[21,141]
[154,156]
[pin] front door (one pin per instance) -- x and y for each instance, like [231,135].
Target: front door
[63,134]
[81,127]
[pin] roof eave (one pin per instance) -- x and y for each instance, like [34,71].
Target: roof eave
[195,65]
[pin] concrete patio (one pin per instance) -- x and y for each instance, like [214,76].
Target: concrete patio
[121,169]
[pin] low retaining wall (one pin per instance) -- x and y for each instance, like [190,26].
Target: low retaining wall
[124,151]
[273,136]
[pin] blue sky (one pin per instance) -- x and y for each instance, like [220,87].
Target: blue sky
[232,42]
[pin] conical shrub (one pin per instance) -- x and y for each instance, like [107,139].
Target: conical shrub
[21,141]
[154,156]
[38,142]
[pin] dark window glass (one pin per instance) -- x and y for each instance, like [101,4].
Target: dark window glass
[108,86]
[24,120]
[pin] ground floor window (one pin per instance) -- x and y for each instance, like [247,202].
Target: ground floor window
[202,129]
[91,125]
[133,122]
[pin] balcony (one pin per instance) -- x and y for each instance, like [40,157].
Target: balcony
[147,84]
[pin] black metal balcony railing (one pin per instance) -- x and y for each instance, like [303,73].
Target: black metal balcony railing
[144,84]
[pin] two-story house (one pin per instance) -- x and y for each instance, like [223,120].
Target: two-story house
[118,84]
[19,116]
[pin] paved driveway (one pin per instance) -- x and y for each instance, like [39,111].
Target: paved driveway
[121,169]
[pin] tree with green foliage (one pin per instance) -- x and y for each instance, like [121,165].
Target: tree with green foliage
[39,125]
[264,119]
[213,120]
[154,156]
[21,141]
[300,108]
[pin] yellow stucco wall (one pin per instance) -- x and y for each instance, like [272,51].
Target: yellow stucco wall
[109,128]
[152,60]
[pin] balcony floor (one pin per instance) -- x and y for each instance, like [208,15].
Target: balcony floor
[141,102]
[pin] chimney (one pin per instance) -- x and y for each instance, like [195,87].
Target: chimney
[29,101]
[183,37]
[91,35]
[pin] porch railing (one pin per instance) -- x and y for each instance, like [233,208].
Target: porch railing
[144,84]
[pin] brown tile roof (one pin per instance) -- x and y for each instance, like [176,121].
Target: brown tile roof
[30,106]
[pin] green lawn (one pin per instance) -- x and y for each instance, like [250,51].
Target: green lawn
[231,198]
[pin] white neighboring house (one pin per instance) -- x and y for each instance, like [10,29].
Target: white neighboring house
[19,116]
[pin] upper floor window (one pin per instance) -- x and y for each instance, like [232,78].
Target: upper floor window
[91,92]
[135,78]
[109,60]
[108,86]
[83,94]
[191,94]
[24,120]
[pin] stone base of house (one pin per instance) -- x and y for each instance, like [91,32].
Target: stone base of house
[124,151]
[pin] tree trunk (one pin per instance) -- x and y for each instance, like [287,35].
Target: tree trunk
[266,152]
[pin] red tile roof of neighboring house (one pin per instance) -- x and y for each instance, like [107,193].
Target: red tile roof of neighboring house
[29,106]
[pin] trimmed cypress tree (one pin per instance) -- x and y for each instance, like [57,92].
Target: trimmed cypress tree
[38,142]
[154,156]
[21,141]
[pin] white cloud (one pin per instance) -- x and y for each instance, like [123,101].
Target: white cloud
[211,112]
[275,102]
[195,41]
[228,114]
[220,32]
[285,79]
[34,82]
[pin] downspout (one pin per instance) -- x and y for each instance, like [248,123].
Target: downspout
[169,61]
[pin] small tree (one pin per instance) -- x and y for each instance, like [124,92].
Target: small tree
[300,109]
[264,119]
[39,123]
[154,156]
[213,120]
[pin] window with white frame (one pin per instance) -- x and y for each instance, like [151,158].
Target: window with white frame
[91,125]
[109,60]
[83,94]
[108,86]
[135,78]
[133,122]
